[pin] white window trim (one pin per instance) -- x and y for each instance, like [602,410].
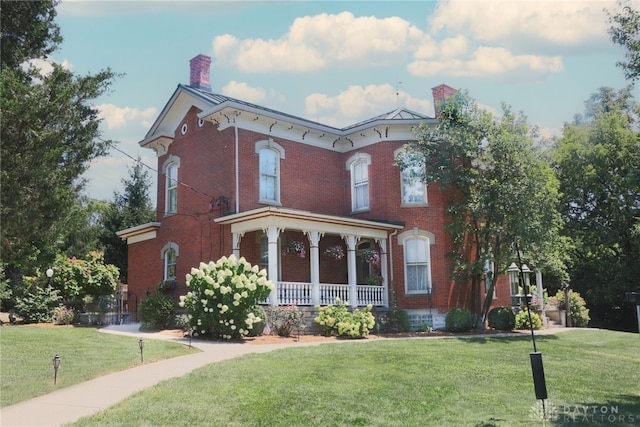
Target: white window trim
[431,239]
[163,256]
[172,160]
[351,162]
[270,144]
[404,204]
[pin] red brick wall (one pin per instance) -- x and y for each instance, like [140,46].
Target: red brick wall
[312,179]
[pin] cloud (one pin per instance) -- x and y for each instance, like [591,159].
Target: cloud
[488,61]
[358,103]
[115,117]
[526,23]
[321,41]
[245,92]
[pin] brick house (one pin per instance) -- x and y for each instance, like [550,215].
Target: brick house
[287,193]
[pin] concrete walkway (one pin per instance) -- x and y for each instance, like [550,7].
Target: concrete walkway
[72,403]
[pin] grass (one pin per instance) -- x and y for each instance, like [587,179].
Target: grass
[26,364]
[402,382]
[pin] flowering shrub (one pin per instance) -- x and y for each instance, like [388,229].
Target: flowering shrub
[522,320]
[283,320]
[335,252]
[296,248]
[222,297]
[62,315]
[338,320]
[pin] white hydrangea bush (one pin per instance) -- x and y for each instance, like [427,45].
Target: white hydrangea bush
[222,295]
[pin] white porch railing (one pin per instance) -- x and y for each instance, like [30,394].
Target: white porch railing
[301,293]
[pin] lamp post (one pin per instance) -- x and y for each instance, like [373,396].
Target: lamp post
[49,275]
[141,345]
[56,365]
[537,368]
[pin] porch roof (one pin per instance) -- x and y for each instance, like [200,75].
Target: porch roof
[293,219]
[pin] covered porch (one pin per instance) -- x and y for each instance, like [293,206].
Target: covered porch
[269,225]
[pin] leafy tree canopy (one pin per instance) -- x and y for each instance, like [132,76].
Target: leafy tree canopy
[598,165]
[502,191]
[49,131]
[625,31]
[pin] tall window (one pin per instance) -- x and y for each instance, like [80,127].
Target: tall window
[170,169]
[359,167]
[170,258]
[414,191]
[269,175]
[417,265]
[269,153]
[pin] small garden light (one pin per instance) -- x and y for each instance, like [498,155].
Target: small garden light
[141,345]
[56,365]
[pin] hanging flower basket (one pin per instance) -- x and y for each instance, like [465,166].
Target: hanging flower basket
[295,247]
[335,252]
[371,256]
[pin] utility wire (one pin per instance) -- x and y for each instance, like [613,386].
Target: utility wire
[195,190]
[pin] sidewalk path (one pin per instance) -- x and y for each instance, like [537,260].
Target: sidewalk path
[72,403]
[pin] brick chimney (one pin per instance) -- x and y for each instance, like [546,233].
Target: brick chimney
[200,72]
[440,93]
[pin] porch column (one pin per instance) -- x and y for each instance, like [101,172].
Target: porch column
[351,268]
[314,240]
[272,273]
[384,270]
[237,237]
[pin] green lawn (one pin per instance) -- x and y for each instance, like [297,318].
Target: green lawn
[403,382]
[26,363]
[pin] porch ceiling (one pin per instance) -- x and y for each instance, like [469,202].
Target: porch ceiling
[292,219]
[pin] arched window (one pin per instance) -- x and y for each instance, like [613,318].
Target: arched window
[413,188]
[269,153]
[358,165]
[417,260]
[170,169]
[169,256]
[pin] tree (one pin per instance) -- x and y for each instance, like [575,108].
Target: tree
[28,31]
[132,207]
[598,165]
[625,31]
[76,278]
[502,191]
[49,133]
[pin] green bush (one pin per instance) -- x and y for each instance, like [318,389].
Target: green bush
[222,297]
[502,319]
[458,320]
[37,305]
[394,320]
[522,320]
[337,319]
[258,327]
[157,311]
[283,320]
[578,311]
[63,315]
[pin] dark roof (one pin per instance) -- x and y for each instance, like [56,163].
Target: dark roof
[216,99]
